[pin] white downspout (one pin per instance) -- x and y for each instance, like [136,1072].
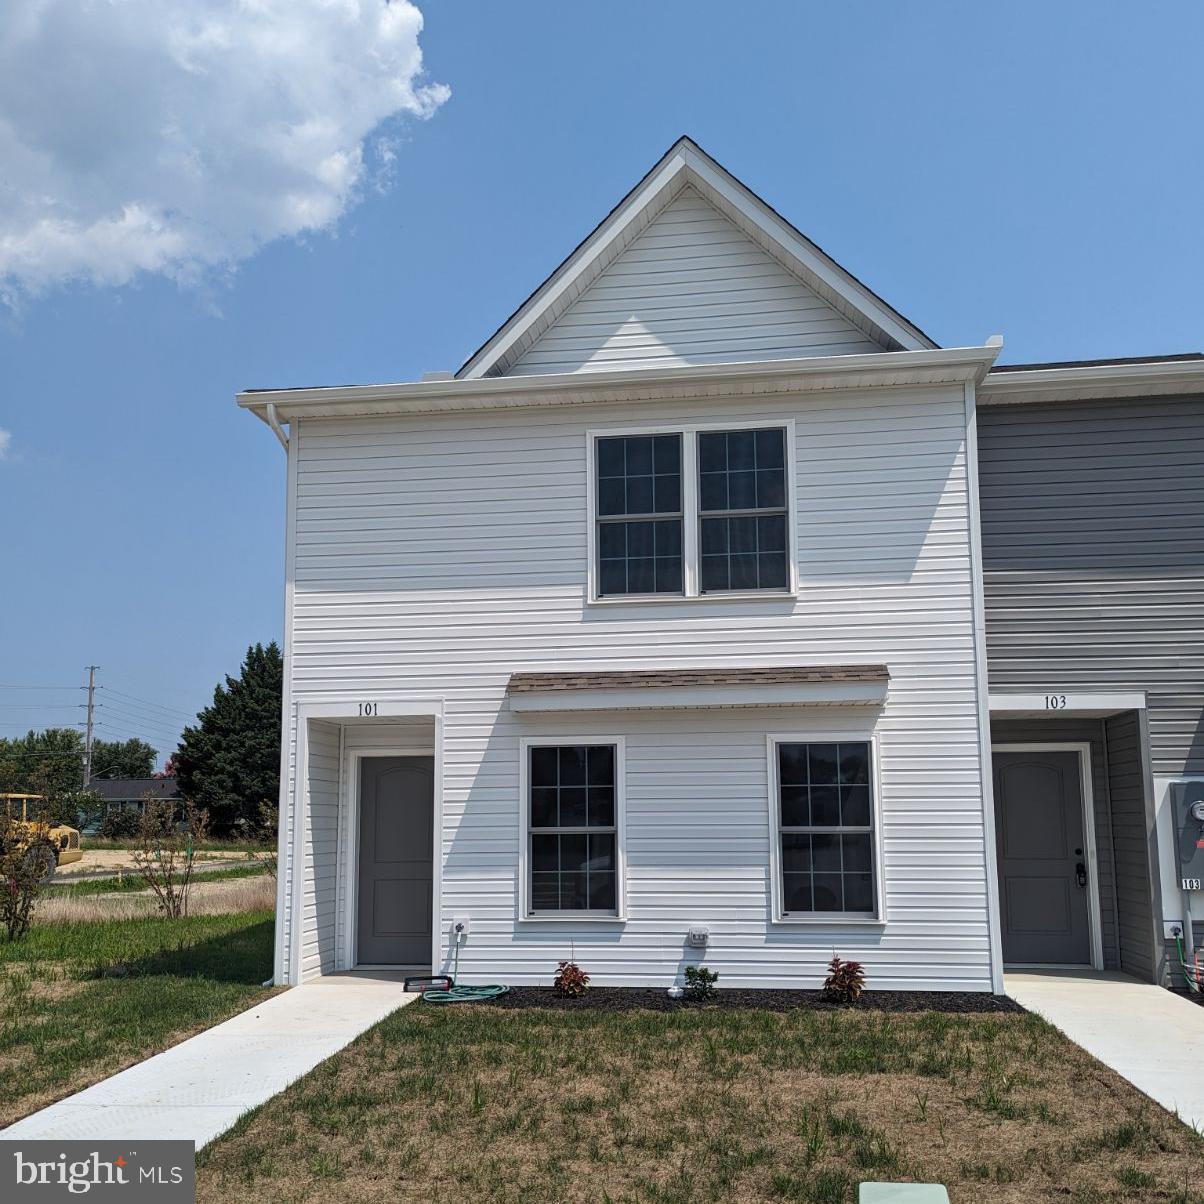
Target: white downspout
[274,423]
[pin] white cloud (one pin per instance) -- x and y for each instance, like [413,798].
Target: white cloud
[6,442]
[178,136]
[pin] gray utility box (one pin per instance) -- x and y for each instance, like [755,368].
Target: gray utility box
[1187,810]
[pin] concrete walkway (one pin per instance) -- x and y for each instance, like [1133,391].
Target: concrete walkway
[1146,1034]
[196,1090]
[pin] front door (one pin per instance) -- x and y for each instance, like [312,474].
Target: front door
[1042,867]
[395,851]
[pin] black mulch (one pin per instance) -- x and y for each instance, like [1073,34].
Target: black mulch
[654,999]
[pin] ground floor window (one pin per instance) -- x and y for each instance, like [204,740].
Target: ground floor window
[825,828]
[573,802]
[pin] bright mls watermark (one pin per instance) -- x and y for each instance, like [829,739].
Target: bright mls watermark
[46,1171]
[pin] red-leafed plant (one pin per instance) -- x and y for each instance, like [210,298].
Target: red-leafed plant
[571,980]
[845,981]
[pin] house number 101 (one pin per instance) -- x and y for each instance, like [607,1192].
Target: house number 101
[1055,702]
[368,709]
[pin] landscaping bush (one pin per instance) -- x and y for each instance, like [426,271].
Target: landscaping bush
[571,980]
[166,851]
[700,982]
[845,981]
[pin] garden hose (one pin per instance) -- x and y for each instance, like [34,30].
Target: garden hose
[465,994]
[1193,974]
[458,994]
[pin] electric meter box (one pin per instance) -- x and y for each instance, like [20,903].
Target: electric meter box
[1187,809]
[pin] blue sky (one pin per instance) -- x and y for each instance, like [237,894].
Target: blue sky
[1028,169]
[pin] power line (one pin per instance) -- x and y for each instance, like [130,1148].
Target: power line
[147,702]
[126,708]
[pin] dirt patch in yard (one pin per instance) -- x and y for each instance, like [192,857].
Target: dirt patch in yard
[654,999]
[110,861]
[526,1104]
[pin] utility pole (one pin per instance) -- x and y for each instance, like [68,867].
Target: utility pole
[91,688]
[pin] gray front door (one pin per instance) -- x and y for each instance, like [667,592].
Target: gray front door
[1042,867]
[396,833]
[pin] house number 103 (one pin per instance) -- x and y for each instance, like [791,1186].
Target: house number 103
[1055,702]
[368,709]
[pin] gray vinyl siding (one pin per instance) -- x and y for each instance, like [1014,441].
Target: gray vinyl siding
[1080,731]
[1093,556]
[1132,834]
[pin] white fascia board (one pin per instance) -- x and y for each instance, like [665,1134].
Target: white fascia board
[1083,703]
[1092,383]
[662,698]
[953,365]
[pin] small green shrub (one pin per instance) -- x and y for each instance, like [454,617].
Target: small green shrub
[845,981]
[700,982]
[120,824]
[571,980]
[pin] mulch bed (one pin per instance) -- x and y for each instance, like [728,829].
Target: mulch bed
[654,999]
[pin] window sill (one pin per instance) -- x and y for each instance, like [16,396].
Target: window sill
[571,917]
[831,920]
[752,595]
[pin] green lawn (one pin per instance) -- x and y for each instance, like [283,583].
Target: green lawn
[477,1103]
[81,1001]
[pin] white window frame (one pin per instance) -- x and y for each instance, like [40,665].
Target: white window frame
[691,520]
[525,915]
[840,919]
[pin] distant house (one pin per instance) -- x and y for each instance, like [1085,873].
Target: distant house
[126,792]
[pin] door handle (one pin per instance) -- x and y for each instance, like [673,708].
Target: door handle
[1080,875]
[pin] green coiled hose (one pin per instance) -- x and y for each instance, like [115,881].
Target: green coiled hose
[465,994]
[459,994]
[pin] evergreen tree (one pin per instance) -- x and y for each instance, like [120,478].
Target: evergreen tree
[229,763]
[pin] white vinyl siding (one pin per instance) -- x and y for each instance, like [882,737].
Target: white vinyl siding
[691,289]
[435,556]
[318,911]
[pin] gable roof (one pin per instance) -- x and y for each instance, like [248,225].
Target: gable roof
[124,790]
[686,165]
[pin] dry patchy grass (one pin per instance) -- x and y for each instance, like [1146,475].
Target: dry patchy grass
[256,893]
[746,1105]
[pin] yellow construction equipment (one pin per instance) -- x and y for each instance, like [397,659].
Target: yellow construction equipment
[46,845]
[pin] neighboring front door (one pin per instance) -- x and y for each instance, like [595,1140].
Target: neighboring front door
[397,810]
[1042,867]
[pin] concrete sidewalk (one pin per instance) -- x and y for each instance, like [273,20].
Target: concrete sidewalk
[196,1090]
[1146,1034]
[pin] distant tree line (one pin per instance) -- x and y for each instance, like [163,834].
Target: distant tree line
[227,763]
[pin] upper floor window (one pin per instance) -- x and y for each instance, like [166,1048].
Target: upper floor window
[639,515]
[692,512]
[742,505]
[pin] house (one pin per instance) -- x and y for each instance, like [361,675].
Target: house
[679,623]
[129,792]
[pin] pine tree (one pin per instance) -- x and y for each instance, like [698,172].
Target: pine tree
[229,763]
